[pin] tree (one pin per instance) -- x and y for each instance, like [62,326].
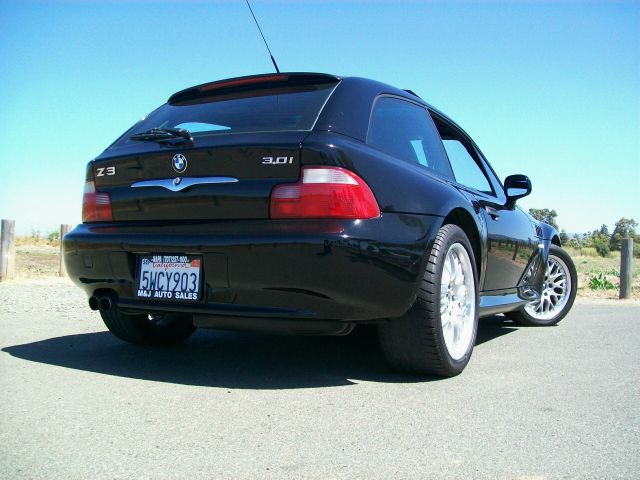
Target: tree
[575,242]
[545,215]
[604,230]
[597,239]
[564,237]
[601,244]
[625,228]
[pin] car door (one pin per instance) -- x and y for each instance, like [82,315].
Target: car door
[511,240]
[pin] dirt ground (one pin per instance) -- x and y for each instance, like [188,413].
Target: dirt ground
[37,261]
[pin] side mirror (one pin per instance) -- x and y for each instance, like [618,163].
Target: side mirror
[515,187]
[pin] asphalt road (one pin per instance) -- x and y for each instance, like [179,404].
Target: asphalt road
[559,402]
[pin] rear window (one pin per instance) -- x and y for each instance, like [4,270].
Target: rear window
[288,108]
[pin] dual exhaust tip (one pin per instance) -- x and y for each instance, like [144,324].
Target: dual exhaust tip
[104,303]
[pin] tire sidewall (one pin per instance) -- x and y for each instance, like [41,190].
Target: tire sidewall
[456,235]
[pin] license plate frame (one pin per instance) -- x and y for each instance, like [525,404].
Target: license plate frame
[173,289]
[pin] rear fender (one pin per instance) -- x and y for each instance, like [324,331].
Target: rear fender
[411,189]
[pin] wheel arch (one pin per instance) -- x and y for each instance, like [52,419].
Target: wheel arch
[469,224]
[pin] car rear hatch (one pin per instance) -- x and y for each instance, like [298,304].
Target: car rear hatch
[247,135]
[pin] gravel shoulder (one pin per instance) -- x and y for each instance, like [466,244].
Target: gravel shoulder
[558,402]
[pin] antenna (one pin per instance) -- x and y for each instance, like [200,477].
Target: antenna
[262,34]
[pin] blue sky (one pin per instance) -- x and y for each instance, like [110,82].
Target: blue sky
[550,89]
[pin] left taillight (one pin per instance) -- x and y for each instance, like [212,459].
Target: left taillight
[96,206]
[324,192]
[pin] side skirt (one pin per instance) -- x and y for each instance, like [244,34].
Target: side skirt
[500,301]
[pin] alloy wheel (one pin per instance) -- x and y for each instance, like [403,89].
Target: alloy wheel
[555,291]
[457,301]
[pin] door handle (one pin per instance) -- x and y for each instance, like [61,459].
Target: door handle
[493,213]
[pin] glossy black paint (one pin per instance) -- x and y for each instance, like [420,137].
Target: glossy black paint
[296,269]
[256,268]
[512,245]
[238,157]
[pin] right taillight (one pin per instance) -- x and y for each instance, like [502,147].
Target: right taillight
[96,206]
[324,192]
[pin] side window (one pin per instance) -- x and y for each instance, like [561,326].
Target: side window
[405,130]
[462,156]
[465,168]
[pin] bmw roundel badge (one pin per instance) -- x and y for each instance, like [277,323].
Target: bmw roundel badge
[179,163]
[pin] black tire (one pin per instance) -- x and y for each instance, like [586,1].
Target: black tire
[522,317]
[414,343]
[164,330]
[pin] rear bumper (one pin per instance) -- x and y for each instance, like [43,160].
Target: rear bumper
[337,270]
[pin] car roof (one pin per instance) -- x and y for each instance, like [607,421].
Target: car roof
[347,111]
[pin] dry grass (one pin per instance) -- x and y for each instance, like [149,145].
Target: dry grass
[37,240]
[37,261]
[588,266]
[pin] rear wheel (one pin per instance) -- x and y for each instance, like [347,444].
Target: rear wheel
[437,335]
[558,293]
[159,330]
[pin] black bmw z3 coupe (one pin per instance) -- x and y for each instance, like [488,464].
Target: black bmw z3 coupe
[307,203]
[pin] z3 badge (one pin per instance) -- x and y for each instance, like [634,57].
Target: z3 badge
[102,171]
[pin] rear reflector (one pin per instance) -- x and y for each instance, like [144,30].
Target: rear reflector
[324,192]
[96,206]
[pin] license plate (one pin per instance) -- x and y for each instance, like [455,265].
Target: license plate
[169,277]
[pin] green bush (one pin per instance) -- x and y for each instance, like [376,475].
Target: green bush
[54,236]
[601,244]
[600,282]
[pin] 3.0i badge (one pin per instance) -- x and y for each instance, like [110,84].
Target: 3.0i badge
[179,163]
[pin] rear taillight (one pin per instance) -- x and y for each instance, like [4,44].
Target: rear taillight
[324,192]
[96,206]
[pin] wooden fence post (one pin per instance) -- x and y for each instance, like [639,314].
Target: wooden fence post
[7,250]
[64,229]
[626,274]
